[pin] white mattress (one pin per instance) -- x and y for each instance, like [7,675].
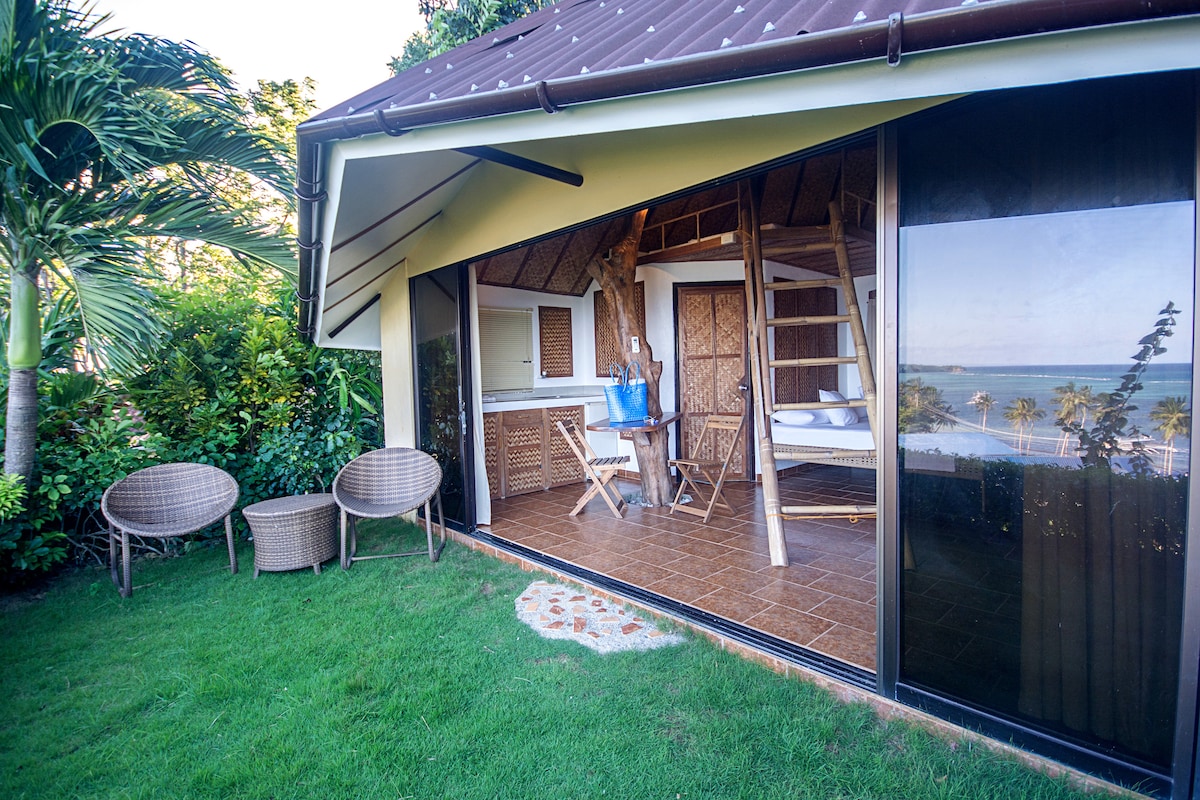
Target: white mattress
[848,437]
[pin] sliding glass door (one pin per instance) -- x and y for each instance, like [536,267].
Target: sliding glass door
[439,300]
[1046,312]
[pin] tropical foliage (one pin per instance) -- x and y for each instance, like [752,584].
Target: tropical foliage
[922,408]
[1112,434]
[1173,420]
[449,24]
[1023,413]
[1074,402]
[231,385]
[107,140]
[142,199]
[983,403]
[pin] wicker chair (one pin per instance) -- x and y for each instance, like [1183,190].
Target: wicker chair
[163,502]
[386,483]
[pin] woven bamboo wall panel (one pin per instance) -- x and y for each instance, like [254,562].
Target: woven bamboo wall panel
[698,391]
[564,466]
[524,436]
[801,384]
[698,325]
[554,336]
[525,480]
[730,373]
[522,459]
[491,451]
[564,471]
[730,320]
[562,414]
[690,427]
[607,351]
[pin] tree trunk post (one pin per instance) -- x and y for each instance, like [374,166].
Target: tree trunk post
[617,275]
[24,355]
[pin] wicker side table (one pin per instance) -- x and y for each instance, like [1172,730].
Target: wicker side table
[293,532]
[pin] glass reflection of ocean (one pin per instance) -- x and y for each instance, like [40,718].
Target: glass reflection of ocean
[1007,383]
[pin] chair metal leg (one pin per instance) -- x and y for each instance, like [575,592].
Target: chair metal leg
[434,555]
[345,561]
[125,587]
[233,565]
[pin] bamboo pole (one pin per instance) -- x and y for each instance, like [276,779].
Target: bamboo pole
[858,332]
[750,193]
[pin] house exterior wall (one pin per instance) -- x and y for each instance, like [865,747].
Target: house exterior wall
[660,280]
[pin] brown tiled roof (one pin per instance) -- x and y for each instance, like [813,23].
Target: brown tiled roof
[577,37]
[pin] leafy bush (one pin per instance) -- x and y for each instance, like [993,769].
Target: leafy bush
[234,386]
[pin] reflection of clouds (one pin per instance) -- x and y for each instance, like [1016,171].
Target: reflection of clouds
[1070,287]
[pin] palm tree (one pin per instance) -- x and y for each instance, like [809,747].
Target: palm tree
[1022,413]
[983,403]
[1073,404]
[1174,419]
[106,140]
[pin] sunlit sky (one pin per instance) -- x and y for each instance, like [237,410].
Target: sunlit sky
[345,46]
[1071,288]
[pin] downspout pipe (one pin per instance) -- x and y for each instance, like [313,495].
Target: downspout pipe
[933,30]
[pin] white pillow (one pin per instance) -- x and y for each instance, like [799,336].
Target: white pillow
[831,397]
[862,413]
[793,417]
[842,416]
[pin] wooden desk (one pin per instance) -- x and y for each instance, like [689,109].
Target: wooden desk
[640,426]
[645,429]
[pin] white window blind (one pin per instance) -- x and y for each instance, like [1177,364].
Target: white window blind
[506,348]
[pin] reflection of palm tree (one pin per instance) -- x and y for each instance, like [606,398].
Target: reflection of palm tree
[1073,405]
[922,408]
[1174,419]
[1022,413]
[983,403]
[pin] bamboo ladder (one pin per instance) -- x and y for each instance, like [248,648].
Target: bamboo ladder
[762,366]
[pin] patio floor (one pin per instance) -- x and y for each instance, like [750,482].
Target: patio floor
[824,600]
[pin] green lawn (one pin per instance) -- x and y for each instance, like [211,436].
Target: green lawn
[402,678]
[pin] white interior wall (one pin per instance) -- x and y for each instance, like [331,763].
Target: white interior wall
[660,281]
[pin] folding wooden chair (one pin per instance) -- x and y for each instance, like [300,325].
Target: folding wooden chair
[712,470]
[600,471]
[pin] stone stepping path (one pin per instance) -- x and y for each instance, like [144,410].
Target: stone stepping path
[557,611]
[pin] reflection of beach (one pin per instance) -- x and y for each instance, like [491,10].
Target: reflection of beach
[1043,437]
[1052,446]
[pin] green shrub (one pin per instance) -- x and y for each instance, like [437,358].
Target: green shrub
[235,387]
[232,385]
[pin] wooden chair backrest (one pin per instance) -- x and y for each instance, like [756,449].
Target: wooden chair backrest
[715,423]
[576,440]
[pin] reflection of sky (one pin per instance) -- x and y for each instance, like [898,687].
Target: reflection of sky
[1079,287]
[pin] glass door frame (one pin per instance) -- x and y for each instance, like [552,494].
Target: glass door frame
[465,389]
[1185,778]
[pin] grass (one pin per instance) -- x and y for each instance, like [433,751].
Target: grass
[405,679]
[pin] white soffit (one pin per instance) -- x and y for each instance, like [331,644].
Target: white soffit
[487,207]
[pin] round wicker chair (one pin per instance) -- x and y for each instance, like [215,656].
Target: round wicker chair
[166,501]
[386,483]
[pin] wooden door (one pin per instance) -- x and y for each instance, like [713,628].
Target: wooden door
[712,357]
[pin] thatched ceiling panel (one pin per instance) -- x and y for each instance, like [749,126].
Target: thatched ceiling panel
[540,262]
[795,211]
[818,185]
[500,270]
[780,193]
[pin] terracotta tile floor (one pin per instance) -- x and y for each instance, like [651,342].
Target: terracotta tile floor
[825,599]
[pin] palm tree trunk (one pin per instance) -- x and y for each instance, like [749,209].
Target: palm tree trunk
[24,355]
